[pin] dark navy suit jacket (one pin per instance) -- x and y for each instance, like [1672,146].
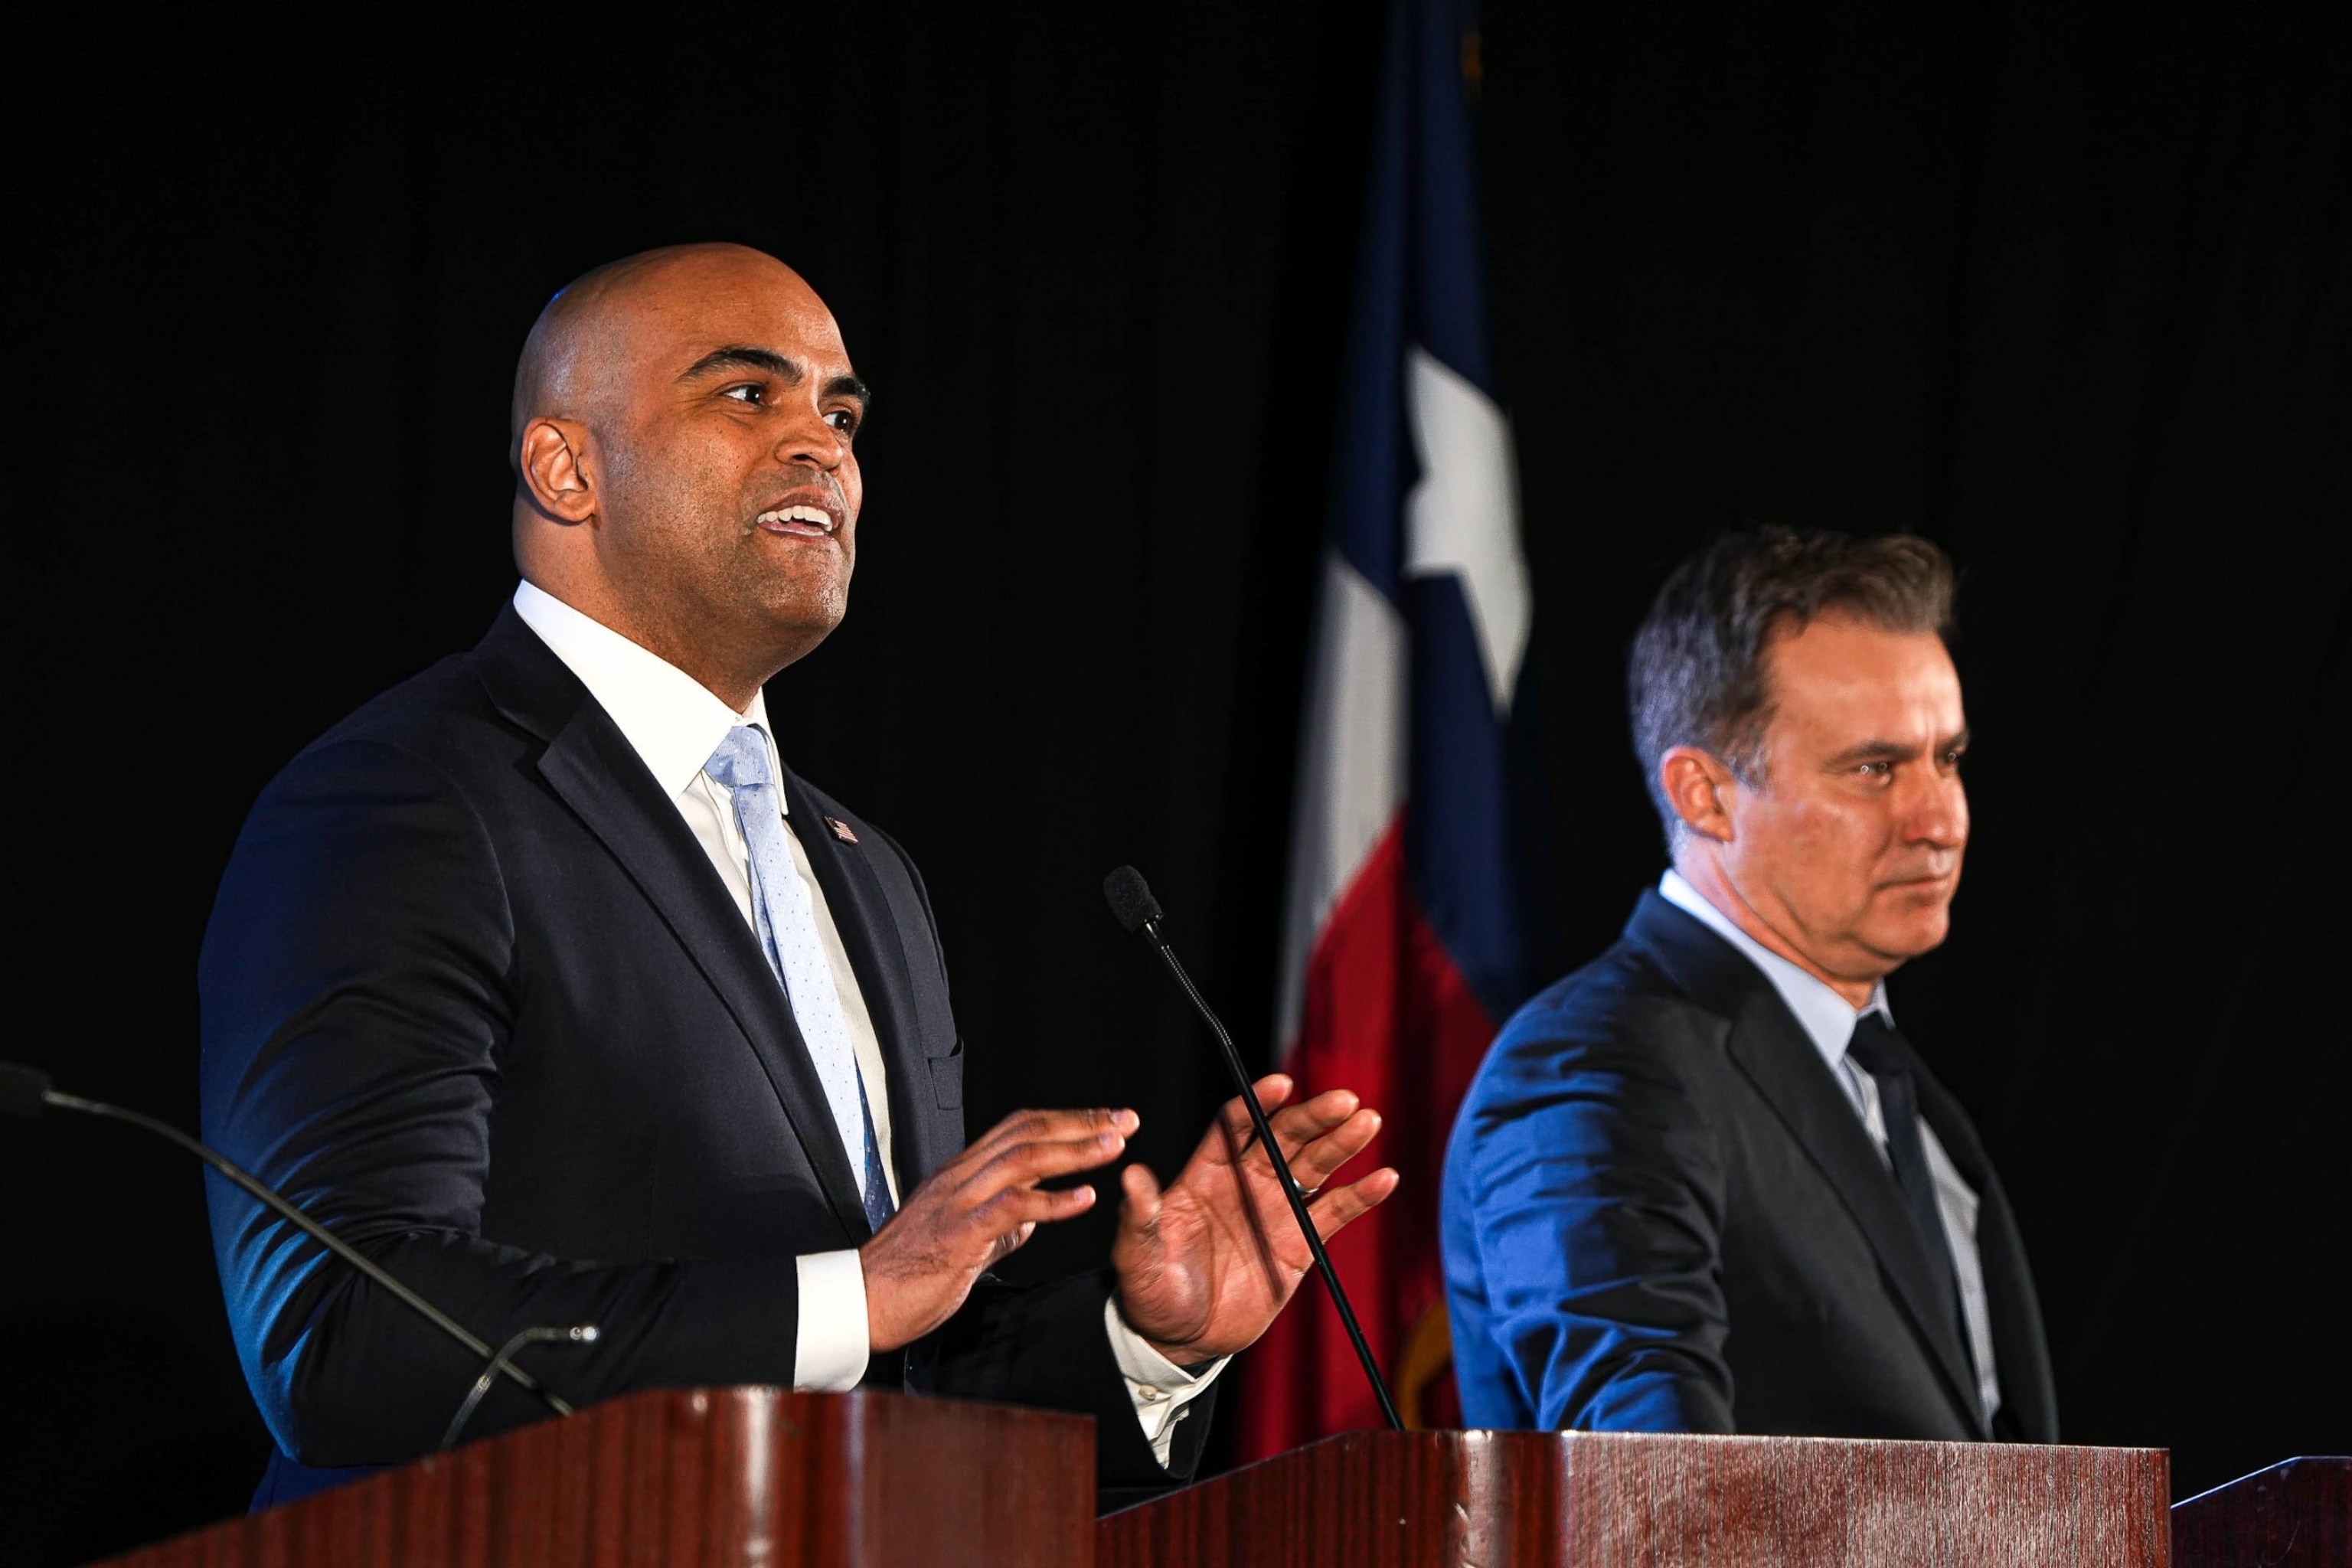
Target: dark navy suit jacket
[1660,1214]
[473,996]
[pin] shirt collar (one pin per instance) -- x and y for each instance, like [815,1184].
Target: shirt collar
[1826,1017]
[670,720]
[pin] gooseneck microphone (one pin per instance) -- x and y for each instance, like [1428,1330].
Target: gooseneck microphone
[24,1091]
[1131,899]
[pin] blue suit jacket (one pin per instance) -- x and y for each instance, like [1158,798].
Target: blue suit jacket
[473,996]
[1660,1214]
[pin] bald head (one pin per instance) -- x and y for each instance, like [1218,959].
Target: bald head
[583,336]
[682,424]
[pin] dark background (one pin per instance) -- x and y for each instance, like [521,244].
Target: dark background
[2067,289]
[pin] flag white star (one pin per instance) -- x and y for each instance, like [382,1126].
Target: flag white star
[1463,516]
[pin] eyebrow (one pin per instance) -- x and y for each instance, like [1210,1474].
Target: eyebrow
[741,356]
[1893,751]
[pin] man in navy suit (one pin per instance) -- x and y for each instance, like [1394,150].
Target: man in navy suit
[1703,1185]
[541,978]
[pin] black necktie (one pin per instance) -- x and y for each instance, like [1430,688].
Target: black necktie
[1883,1055]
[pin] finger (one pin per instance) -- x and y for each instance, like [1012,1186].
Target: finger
[1327,1108]
[1314,1164]
[1043,1126]
[1025,1164]
[1230,1136]
[1299,1125]
[1012,1241]
[1295,1127]
[1335,1208]
[1138,1212]
[1011,1209]
[1274,1090]
[1036,1126]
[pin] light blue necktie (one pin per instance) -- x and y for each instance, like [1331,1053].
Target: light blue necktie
[786,918]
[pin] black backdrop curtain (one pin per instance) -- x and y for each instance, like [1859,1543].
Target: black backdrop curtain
[2066,290]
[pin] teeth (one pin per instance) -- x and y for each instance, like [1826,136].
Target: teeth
[815,516]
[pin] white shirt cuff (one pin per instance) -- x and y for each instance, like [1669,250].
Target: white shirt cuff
[829,1355]
[1159,1388]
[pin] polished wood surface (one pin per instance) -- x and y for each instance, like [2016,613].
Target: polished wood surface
[684,1478]
[1485,1499]
[2294,1515]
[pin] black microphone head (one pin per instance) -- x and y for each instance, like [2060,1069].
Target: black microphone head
[21,1087]
[1130,899]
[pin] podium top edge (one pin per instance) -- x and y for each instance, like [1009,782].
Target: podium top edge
[2328,1461]
[1521,1435]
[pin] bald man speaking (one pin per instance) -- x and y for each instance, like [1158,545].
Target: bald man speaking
[543,980]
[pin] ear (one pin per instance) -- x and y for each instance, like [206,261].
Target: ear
[1698,785]
[554,458]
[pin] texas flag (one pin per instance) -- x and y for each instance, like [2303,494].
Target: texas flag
[1403,942]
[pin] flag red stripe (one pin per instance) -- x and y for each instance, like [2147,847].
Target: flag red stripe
[1389,1015]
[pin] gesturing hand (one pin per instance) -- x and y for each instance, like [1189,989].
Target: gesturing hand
[976,1208]
[1204,1266]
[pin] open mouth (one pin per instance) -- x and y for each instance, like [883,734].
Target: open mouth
[802,521]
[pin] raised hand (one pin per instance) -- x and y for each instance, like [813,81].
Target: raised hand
[976,1208]
[1204,1266]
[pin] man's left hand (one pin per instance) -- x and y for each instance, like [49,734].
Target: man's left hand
[1204,1266]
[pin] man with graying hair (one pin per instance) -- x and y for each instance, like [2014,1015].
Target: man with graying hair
[1704,1185]
[541,979]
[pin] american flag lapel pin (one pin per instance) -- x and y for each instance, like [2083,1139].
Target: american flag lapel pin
[841,830]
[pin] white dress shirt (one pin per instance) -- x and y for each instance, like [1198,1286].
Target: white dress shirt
[673,723]
[1827,1020]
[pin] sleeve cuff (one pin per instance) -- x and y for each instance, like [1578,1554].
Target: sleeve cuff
[830,1355]
[1159,1387]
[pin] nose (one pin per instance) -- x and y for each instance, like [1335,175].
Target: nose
[1939,817]
[810,439]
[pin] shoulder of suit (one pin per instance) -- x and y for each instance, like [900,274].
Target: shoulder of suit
[1615,1034]
[1622,1001]
[440,717]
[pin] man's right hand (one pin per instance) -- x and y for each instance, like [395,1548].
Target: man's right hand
[976,1208]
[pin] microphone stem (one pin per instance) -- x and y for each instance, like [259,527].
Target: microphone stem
[314,1230]
[1289,1183]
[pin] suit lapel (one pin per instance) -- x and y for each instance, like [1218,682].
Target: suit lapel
[592,767]
[2020,1353]
[1769,1046]
[878,952]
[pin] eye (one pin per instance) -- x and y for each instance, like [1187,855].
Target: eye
[1878,770]
[1951,759]
[750,391]
[841,419]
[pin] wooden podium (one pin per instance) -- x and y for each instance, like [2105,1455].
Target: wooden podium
[697,1477]
[700,1478]
[2294,1515]
[1579,1499]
